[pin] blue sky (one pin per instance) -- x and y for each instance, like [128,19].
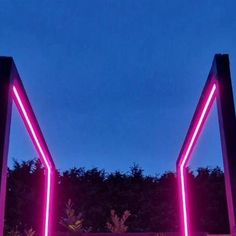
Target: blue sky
[116,82]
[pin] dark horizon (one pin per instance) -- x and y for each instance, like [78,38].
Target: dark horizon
[151,201]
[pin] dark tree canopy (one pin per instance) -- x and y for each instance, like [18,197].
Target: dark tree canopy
[151,200]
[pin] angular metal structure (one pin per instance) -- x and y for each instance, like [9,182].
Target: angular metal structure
[218,87]
[11,89]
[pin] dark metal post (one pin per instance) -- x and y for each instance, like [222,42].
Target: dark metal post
[227,123]
[5,120]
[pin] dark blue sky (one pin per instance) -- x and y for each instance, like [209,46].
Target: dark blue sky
[116,82]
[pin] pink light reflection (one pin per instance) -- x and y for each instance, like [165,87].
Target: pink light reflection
[18,97]
[191,140]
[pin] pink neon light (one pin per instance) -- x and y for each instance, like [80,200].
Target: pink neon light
[191,140]
[18,97]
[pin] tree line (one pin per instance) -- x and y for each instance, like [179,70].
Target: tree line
[152,201]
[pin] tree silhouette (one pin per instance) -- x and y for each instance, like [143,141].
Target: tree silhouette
[151,200]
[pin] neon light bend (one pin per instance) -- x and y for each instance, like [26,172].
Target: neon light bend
[186,154]
[19,100]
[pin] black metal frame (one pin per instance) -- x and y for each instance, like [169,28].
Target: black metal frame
[6,76]
[9,78]
[220,72]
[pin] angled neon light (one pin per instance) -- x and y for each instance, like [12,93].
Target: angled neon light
[184,158]
[218,86]
[19,96]
[21,103]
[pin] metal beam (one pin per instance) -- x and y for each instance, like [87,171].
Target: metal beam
[227,123]
[5,120]
[219,78]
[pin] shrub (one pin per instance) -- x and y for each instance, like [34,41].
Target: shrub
[118,223]
[71,221]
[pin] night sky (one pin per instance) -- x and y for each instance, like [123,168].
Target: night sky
[116,82]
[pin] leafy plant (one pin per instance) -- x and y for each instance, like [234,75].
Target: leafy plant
[13,232]
[30,232]
[118,223]
[16,232]
[71,221]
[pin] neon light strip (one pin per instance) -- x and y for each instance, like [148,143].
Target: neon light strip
[43,155]
[185,158]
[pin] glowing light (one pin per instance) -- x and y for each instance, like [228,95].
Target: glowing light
[187,149]
[29,120]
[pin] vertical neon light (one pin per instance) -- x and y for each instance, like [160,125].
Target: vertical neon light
[191,139]
[30,121]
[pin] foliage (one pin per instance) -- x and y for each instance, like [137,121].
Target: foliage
[30,232]
[71,221]
[151,199]
[14,232]
[118,223]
